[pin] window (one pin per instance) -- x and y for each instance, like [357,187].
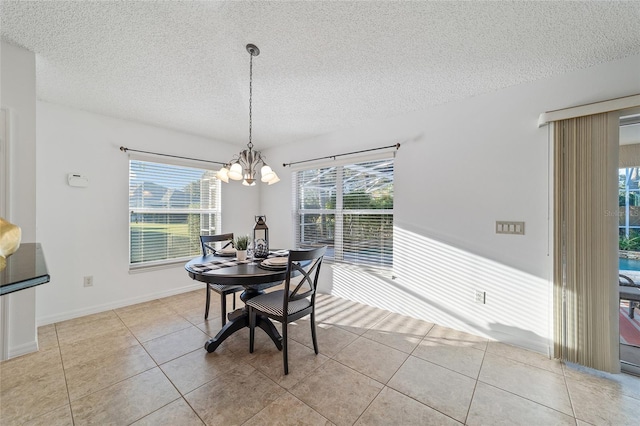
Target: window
[349,208]
[170,206]
[629,202]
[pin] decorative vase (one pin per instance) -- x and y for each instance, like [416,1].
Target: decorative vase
[10,236]
[241,255]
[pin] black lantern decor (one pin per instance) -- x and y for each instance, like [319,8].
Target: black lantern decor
[260,238]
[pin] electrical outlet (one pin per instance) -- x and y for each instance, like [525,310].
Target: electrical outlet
[480,296]
[88,281]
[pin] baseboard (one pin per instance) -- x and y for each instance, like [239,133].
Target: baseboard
[63,316]
[23,349]
[525,342]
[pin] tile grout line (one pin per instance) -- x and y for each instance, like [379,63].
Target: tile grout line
[527,399]
[563,372]
[115,383]
[409,396]
[64,372]
[566,385]
[385,385]
[163,372]
[156,366]
[475,386]
[524,397]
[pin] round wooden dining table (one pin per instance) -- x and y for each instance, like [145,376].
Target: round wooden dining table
[254,277]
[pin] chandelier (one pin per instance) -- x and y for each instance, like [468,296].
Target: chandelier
[244,165]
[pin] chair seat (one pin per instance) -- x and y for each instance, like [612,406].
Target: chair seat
[271,303]
[226,288]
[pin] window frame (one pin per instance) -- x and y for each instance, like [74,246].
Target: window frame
[216,211]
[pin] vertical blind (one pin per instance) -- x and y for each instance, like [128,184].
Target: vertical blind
[585,241]
[349,208]
[170,206]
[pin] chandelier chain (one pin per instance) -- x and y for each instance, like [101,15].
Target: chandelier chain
[250,97]
[244,166]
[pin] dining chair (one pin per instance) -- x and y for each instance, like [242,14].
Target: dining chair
[288,305]
[206,241]
[629,291]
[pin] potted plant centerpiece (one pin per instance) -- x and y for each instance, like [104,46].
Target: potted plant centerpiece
[240,244]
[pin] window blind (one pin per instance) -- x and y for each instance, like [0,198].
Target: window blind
[170,206]
[349,208]
[586,241]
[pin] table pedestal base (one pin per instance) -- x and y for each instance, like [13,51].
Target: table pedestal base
[239,319]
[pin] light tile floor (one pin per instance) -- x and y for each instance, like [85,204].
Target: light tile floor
[145,365]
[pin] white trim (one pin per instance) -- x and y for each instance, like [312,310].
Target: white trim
[5,163]
[51,319]
[23,349]
[4,328]
[589,109]
[5,167]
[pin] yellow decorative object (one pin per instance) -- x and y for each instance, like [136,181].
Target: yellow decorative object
[10,236]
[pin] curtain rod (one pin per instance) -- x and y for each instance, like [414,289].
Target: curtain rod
[396,146]
[124,149]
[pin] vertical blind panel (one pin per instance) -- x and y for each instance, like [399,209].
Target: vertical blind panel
[349,208]
[170,207]
[585,242]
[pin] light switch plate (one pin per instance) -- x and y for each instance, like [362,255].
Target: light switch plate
[508,227]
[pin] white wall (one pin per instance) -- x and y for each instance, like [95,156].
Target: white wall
[461,167]
[84,231]
[18,97]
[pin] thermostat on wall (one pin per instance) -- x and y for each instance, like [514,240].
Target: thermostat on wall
[77,180]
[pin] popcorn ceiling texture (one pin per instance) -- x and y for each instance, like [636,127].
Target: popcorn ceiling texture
[323,65]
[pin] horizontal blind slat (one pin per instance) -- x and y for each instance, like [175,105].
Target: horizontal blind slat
[170,207]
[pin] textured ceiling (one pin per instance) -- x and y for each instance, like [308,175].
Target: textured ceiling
[323,65]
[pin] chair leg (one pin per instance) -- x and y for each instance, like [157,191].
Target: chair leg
[285,354]
[252,328]
[206,306]
[234,301]
[631,309]
[313,331]
[223,308]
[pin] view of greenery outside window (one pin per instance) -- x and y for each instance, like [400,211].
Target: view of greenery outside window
[629,201]
[349,208]
[170,206]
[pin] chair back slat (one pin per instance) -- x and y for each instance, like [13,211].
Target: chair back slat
[307,264]
[307,278]
[205,241]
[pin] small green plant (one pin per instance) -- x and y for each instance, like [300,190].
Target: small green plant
[629,243]
[241,242]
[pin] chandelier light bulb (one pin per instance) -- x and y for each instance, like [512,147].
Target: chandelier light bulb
[235,172]
[274,179]
[223,174]
[267,173]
